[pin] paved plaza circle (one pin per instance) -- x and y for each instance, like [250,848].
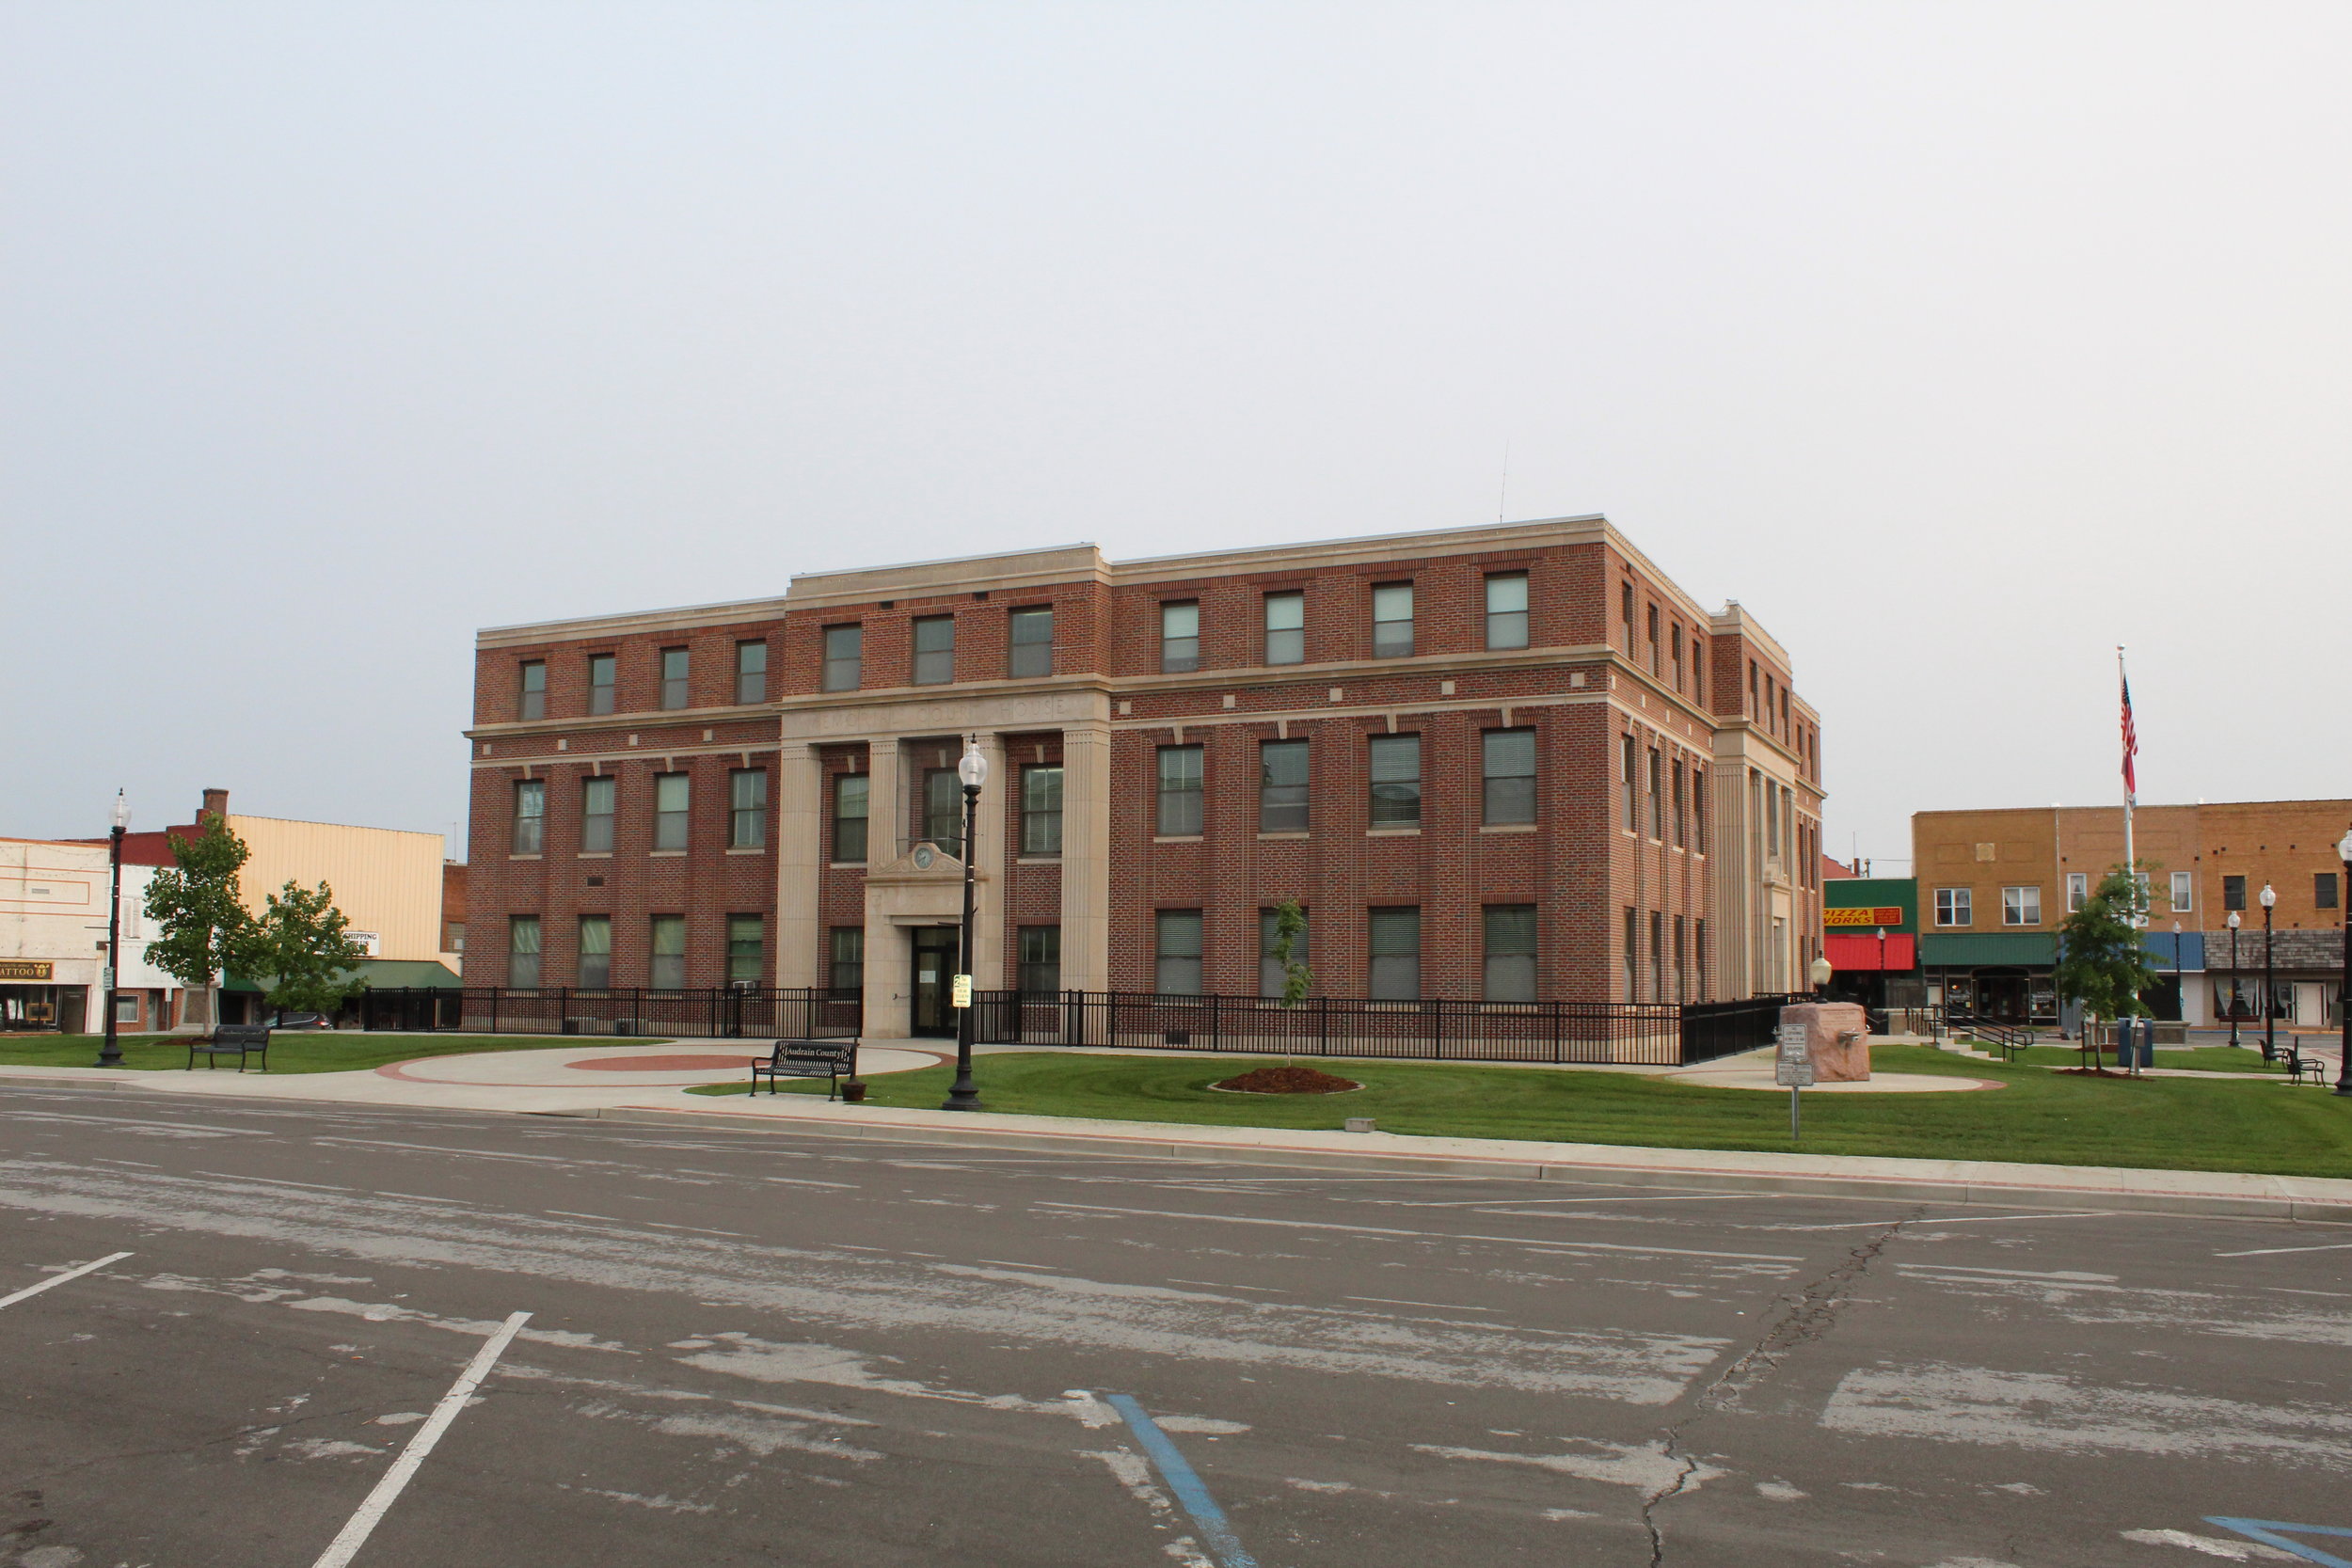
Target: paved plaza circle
[1878,1083]
[661,1066]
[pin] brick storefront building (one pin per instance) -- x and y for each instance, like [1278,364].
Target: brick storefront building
[1513,762]
[1995,886]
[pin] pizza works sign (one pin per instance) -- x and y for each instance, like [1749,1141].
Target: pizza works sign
[1861,918]
[26,969]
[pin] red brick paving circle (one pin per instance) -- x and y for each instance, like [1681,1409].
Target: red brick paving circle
[663,1064]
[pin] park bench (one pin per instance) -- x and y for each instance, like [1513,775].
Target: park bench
[2297,1065]
[832,1060]
[231,1039]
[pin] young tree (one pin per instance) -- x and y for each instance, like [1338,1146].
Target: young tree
[2102,962]
[200,912]
[1289,926]
[1290,929]
[298,949]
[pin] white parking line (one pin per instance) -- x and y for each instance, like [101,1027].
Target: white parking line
[61,1278]
[1548,1242]
[437,1148]
[1644,1197]
[1961,1219]
[355,1534]
[2258,1252]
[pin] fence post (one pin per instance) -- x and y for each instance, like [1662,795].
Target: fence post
[1323,1026]
[1554,1007]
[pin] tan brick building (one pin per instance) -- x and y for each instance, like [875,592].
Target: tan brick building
[1510,762]
[2016,874]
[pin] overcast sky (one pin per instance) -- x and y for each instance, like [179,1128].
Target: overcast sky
[1958,343]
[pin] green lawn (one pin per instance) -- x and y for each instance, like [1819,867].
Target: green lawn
[303,1051]
[2041,1117]
[2202,1058]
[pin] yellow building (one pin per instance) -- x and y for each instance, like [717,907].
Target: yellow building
[387,881]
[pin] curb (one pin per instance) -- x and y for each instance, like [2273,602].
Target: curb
[1891,1189]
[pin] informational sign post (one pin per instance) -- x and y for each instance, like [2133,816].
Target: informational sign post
[1792,1068]
[960,991]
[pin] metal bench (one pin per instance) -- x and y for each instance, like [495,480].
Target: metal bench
[2297,1065]
[832,1060]
[230,1039]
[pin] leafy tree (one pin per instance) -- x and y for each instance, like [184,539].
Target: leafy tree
[199,912]
[298,949]
[1290,929]
[2102,962]
[1290,925]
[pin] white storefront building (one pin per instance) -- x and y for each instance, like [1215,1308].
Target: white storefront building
[52,941]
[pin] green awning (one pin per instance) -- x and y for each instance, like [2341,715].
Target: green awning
[380,974]
[1975,949]
[417,973]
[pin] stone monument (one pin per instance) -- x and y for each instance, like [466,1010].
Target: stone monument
[1838,1034]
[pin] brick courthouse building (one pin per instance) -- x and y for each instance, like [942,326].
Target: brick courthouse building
[1510,763]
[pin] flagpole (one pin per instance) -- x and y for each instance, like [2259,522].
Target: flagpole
[2131,862]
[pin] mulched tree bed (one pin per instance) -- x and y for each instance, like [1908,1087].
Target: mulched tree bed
[1287,1080]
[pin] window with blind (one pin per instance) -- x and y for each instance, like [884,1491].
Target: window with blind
[672,798]
[1282,786]
[1510,952]
[667,971]
[1395,780]
[596,952]
[1179,814]
[1507,787]
[1286,628]
[1176,952]
[1030,634]
[1394,943]
[597,797]
[850,808]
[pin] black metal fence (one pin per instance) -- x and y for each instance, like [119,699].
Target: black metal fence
[1650,1034]
[1643,1033]
[1712,1029]
[801,1013]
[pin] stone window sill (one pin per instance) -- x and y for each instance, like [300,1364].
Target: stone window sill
[667,854]
[845,866]
[750,850]
[1179,838]
[1263,837]
[1391,833]
[535,855]
[596,854]
[1508,828]
[1037,860]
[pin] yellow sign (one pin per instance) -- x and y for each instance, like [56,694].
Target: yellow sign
[1864,918]
[960,994]
[26,969]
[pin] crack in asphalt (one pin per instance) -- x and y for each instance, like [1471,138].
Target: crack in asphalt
[1807,1316]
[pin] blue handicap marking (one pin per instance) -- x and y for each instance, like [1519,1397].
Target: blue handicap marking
[1186,1482]
[2266,1531]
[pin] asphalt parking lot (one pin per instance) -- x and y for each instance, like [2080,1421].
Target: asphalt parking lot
[771,1346]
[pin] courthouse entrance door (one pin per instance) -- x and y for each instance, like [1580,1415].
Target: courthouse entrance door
[934,977]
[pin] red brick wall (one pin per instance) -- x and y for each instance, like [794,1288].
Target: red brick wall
[1582,869]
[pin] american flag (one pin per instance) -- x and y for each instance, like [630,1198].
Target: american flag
[2131,742]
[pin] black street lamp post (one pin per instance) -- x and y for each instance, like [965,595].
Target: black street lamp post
[110,1054]
[2270,987]
[2233,979]
[972,770]
[2343,992]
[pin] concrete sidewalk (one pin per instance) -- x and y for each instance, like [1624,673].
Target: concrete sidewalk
[1943,1183]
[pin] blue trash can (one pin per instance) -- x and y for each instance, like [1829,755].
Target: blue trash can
[2135,1042]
